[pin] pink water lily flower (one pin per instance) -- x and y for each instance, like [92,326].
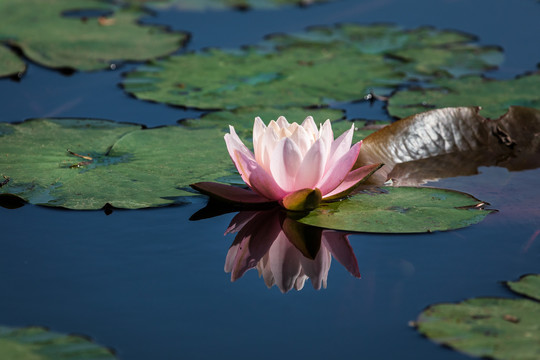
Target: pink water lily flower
[295,165]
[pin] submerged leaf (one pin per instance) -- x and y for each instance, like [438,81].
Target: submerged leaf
[47,34]
[399,210]
[497,328]
[41,344]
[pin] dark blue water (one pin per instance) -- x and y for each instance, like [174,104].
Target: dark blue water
[151,284]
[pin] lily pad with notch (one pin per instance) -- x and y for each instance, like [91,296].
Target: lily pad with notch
[495,328]
[399,210]
[87,164]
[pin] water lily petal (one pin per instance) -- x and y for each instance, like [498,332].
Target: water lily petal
[234,144]
[260,181]
[340,147]
[274,126]
[311,127]
[302,139]
[258,131]
[351,181]
[339,170]
[285,163]
[326,133]
[265,148]
[282,122]
[312,167]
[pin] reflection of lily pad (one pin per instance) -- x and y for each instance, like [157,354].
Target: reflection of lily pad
[497,328]
[494,96]
[36,343]
[10,64]
[453,142]
[319,66]
[131,168]
[47,37]
[399,210]
[191,5]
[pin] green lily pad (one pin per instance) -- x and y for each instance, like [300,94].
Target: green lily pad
[10,64]
[497,328]
[399,210]
[130,167]
[243,118]
[36,343]
[528,285]
[494,96]
[41,29]
[86,164]
[319,66]
[192,5]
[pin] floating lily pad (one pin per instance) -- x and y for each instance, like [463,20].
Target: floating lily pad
[242,119]
[528,285]
[129,167]
[494,96]
[46,35]
[36,343]
[86,164]
[497,328]
[453,142]
[10,64]
[191,5]
[399,210]
[319,66]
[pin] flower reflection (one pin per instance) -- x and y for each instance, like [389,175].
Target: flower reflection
[285,252]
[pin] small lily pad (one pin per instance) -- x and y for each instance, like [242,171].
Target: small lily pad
[36,343]
[45,34]
[10,63]
[399,210]
[528,285]
[494,96]
[319,66]
[496,328]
